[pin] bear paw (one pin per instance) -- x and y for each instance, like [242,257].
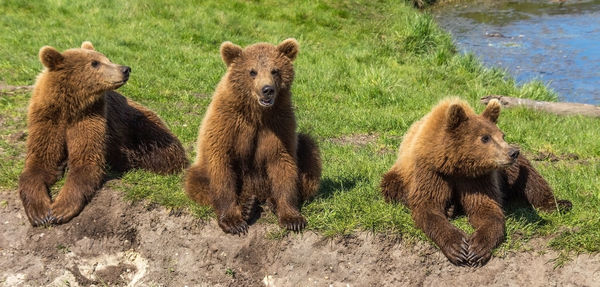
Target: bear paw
[293,223]
[233,224]
[64,210]
[456,249]
[564,205]
[39,212]
[480,249]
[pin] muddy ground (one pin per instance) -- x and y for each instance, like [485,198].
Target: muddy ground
[114,242]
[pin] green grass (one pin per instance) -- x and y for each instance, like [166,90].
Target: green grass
[365,67]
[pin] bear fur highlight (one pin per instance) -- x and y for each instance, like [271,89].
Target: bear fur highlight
[248,150]
[76,120]
[454,158]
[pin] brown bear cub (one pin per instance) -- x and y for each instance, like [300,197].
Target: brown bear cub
[456,158]
[75,118]
[248,148]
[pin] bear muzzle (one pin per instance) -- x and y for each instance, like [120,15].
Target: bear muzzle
[267,97]
[125,71]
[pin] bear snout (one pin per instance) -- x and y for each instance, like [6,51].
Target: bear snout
[125,70]
[267,97]
[268,91]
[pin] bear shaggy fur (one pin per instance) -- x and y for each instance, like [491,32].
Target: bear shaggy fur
[456,158]
[248,148]
[75,118]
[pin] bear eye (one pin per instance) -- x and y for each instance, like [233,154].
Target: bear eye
[274,72]
[95,64]
[252,73]
[485,139]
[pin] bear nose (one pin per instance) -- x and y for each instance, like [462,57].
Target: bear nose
[268,90]
[125,70]
[513,153]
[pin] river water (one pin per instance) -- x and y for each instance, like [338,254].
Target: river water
[558,43]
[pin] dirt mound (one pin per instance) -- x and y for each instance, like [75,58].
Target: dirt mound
[113,242]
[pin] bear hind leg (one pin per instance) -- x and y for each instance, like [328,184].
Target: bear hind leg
[525,182]
[309,166]
[197,185]
[144,139]
[392,187]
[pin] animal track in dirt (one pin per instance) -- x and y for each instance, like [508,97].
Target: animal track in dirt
[114,242]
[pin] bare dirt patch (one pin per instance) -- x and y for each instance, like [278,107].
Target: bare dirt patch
[355,139]
[113,242]
[9,89]
[551,157]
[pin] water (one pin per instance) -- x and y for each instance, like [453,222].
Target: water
[556,43]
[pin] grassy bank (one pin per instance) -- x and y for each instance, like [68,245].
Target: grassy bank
[366,71]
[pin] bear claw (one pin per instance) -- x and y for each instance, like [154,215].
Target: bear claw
[457,251]
[480,252]
[233,225]
[296,223]
[564,205]
[46,220]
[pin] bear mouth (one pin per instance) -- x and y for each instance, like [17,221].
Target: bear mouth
[120,83]
[266,102]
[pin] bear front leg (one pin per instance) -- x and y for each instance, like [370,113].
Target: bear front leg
[428,203]
[224,199]
[283,175]
[45,152]
[486,216]
[34,193]
[86,158]
[524,181]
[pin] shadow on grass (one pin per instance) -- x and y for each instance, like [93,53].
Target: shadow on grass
[330,186]
[111,174]
[522,211]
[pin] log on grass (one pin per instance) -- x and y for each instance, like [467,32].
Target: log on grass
[558,108]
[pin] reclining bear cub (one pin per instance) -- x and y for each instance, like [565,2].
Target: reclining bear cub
[453,158]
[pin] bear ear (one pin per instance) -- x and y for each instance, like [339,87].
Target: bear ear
[50,57]
[289,48]
[456,116]
[492,110]
[230,52]
[87,45]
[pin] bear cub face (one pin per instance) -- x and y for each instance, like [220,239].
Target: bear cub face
[261,71]
[478,141]
[95,72]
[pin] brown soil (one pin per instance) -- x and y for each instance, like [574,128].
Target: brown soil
[113,242]
[8,89]
[551,157]
[355,139]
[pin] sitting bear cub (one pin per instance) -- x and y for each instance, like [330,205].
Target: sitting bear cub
[456,158]
[248,148]
[75,118]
